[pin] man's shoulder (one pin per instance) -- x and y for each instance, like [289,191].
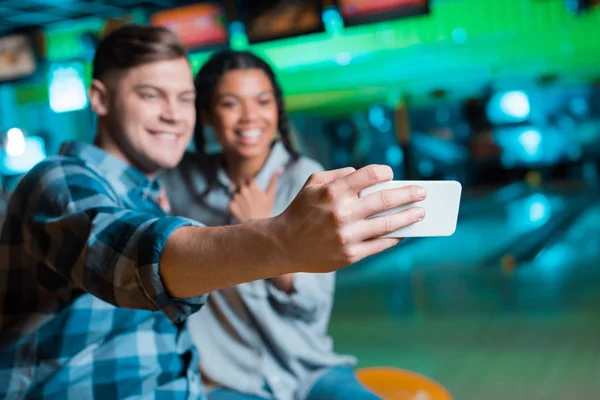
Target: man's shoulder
[61,167]
[61,177]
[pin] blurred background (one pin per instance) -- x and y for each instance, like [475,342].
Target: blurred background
[501,95]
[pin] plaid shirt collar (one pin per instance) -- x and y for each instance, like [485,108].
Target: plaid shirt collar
[122,176]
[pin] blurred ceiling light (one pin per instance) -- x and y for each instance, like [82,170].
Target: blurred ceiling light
[459,35]
[343,58]
[15,145]
[67,88]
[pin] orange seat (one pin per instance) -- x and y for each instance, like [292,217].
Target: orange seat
[399,384]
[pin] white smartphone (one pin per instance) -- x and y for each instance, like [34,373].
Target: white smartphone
[441,208]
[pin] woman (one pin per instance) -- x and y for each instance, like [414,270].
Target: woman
[265,339]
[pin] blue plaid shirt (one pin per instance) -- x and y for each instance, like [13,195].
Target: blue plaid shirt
[83,311]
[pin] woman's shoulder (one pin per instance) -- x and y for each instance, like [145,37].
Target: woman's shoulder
[303,167]
[296,173]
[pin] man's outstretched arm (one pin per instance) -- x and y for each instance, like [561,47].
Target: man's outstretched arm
[324,229]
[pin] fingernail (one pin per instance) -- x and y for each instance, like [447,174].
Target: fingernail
[419,213]
[422,193]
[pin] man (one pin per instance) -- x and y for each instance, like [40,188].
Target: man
[96,281]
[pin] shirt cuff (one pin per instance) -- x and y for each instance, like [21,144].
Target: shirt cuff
[150,248]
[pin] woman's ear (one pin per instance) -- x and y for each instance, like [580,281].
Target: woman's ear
[98,95]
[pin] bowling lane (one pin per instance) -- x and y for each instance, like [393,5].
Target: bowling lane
[574,247]
[493,229]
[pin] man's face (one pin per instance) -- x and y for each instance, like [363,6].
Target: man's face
[150,114]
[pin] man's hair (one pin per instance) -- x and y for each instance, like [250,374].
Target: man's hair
[133,45]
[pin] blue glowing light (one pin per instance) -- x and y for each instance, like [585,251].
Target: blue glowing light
[377,116]
[459,35]
[515,104]
[331,15]
[343,58]
[236,28]
[394,156]
[537,211]
[530,140]
[15,142]
[66,88]
[579,106]
[30,152]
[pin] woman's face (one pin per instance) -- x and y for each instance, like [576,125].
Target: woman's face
[244,113]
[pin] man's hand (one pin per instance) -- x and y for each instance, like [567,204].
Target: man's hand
[325,227]
[251,203]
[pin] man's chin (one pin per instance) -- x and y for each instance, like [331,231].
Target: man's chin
[156,166]
[168,164]
[171,161]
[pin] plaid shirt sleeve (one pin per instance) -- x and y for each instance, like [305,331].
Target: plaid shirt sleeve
[75,224]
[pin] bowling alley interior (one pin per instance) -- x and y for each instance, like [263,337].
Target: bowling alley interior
[501,96]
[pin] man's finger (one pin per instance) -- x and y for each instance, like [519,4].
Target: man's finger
[365,177]
[387,199]
[379,226]
[325,177]
[370,247]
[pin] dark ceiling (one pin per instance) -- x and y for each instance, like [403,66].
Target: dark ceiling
[18,14]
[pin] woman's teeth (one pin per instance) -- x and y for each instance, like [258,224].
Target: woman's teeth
[252,133]
[165,135]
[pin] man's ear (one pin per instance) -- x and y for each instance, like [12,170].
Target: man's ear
[98,95]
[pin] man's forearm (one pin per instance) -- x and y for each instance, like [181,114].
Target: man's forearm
[197,260]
